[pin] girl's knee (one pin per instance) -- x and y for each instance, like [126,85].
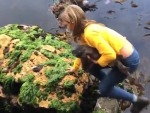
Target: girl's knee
[103,89]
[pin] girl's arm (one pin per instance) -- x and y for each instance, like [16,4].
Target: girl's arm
[108,54]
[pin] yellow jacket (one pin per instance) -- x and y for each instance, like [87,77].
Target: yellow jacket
[107,41]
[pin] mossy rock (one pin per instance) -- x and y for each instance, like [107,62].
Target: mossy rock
[33,65]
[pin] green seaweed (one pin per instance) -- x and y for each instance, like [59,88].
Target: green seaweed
[69,85]
[28,93]
[31,40]
[69,107]
[7,82]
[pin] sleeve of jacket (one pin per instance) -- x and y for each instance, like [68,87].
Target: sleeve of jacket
[77,63]
[107,52]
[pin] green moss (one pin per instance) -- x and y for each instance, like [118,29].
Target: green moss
[17,69]
[25,55]
[49,55]
[99,111]
[28,93]
[69,107]
[60,94]
[28,78]
[7,82]
[43,95]
[68,93]
[69,85]
[57,72]
[31,40]
[15,54]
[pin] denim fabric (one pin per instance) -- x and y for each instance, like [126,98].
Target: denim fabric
[107,86]
[132,61]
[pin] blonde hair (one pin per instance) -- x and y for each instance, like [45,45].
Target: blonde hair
[74,14]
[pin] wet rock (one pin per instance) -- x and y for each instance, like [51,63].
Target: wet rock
[110,11]
[37,68]
[147,27]
[33,75]
[107,105]
[59,6]
[133,4]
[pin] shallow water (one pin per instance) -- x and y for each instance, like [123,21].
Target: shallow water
[30,12]
[125,19]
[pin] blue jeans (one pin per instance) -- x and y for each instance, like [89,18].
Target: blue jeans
[107,86]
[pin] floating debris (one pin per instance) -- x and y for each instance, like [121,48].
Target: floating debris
[148,27]
[147,35]
[119,1]
[122,8]
[110,11]
[133,4]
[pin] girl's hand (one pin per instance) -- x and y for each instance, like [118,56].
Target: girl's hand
[94,61]
[72,70]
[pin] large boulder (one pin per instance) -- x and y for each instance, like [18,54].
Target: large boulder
[33,73]
[107,105]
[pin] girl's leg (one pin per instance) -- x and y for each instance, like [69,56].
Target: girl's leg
[96,71]
[108,88]
[141,102]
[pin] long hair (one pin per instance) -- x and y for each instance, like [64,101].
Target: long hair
[74,14]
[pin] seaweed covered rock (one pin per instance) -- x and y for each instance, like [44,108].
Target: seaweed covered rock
[32,71]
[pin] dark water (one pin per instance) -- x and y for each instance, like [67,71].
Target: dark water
[127,20]
[30,12]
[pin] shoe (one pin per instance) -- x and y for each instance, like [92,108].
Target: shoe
[141,103]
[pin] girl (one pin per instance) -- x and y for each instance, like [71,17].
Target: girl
[109,44]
